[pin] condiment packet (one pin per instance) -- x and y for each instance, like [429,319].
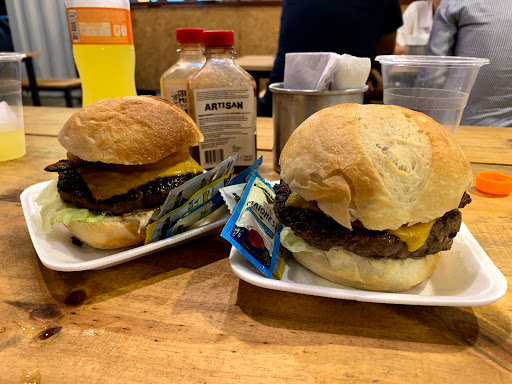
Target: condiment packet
[180,195]
[254,230]
[232,194]
[246,174]
[190,200]
[202,210]
[196,201]
[235,189]
[197,208]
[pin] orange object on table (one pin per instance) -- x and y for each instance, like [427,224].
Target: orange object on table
[494,183]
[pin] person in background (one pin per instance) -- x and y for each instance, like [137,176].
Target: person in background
[363,28]
[479,28]
[412,36]
[5,32]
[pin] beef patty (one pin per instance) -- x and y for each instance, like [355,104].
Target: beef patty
[323,232]
[73,189]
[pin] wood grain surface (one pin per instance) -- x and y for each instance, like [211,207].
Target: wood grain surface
[182,316]
[256,62]
[489,145]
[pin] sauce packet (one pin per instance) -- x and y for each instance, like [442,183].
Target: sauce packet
[235,189]
[232,194]
[178,196]
[254,230]
[198,210]
[191,197]
[246,174]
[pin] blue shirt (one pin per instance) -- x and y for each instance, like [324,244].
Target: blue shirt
[479,28]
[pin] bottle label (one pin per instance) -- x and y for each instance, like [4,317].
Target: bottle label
[227,119]
[100,26]
[178,96]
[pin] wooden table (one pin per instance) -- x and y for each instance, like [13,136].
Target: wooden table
[259,66]
[182,316]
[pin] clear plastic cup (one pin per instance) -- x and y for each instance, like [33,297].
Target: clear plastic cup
[12,134]
[437,86]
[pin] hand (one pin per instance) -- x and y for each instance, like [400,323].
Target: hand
[375,85]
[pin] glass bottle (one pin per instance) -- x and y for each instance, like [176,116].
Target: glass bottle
[173,83]
[222,100]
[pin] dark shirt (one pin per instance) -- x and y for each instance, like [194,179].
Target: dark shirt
[341,26]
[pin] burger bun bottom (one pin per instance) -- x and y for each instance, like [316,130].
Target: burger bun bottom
[107,234]
[374,274]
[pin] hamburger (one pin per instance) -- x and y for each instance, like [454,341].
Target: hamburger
[370,195]
[124,156]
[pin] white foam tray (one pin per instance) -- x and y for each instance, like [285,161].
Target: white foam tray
[57,252]
[466,276]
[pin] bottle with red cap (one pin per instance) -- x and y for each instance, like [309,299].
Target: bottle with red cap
[222,100]
[173,83]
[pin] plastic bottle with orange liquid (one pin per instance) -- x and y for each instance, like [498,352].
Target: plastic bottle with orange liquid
[101,32]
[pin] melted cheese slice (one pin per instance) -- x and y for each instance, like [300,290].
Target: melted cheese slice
[106,181]
[414,236]
[294,200]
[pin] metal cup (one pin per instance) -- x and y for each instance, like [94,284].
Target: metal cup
[290,107]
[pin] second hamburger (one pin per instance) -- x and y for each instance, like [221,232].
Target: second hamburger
[370,195]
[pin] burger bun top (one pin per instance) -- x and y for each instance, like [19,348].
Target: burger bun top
[383,165]
[131,130]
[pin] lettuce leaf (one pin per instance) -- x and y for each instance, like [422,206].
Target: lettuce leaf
[294,243]
[55,210]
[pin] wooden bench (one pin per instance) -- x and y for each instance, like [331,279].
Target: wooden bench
[49,84]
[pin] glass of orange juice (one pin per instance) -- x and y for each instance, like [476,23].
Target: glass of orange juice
[12,135]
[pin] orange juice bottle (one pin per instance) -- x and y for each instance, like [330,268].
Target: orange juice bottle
[101,32]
